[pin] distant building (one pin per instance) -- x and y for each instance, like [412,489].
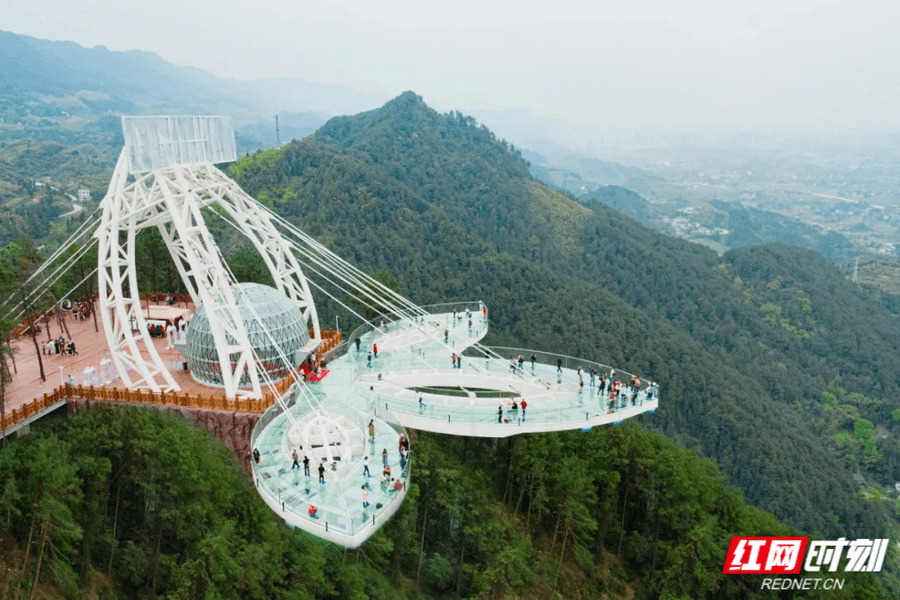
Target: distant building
[84,195]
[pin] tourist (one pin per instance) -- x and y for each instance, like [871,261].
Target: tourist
[365,497]
[524,405]
[366,466]
[296,463]
[322,472]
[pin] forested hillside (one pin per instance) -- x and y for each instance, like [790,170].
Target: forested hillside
[744,347]
[134,503]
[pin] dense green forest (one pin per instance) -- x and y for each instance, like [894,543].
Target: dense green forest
[137,503]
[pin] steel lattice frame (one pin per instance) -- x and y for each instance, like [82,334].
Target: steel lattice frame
[172,200]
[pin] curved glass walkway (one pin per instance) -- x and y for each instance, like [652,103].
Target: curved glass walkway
[429,374]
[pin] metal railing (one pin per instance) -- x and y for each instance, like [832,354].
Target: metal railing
[553,359]
[587,405]
[271,481]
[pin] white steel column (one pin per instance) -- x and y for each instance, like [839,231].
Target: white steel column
[275,250]
[202,269]
[132,350]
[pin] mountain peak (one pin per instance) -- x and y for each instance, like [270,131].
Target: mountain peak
[407,133]
[407,98]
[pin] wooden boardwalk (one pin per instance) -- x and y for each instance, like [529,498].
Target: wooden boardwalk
[26,382]
[27,386]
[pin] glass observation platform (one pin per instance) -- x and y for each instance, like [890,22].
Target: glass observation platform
[423,372]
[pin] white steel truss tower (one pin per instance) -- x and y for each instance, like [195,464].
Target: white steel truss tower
[173,198]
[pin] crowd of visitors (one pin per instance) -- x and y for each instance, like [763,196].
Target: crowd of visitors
[59,346]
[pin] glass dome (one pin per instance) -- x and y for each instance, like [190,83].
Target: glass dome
[277,315]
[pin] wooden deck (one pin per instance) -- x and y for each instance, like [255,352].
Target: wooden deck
[29,394]
[26,382]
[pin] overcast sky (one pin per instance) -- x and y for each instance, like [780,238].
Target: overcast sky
[832,64]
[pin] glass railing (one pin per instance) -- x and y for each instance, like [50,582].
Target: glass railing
[580,404]
[543,373]
[587,405]
[403,320]
[553,360]
[475,307]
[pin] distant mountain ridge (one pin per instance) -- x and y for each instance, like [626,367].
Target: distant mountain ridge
[47,83]
[60,103]
[131,81]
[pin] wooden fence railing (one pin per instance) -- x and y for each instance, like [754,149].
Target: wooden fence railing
[199,401]
[330,339]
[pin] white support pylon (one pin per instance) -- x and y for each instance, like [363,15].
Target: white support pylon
[172,199]
[120,302]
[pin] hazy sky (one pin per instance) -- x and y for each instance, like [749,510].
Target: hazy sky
[825,63]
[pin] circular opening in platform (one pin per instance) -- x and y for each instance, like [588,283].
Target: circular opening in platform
[327,437]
